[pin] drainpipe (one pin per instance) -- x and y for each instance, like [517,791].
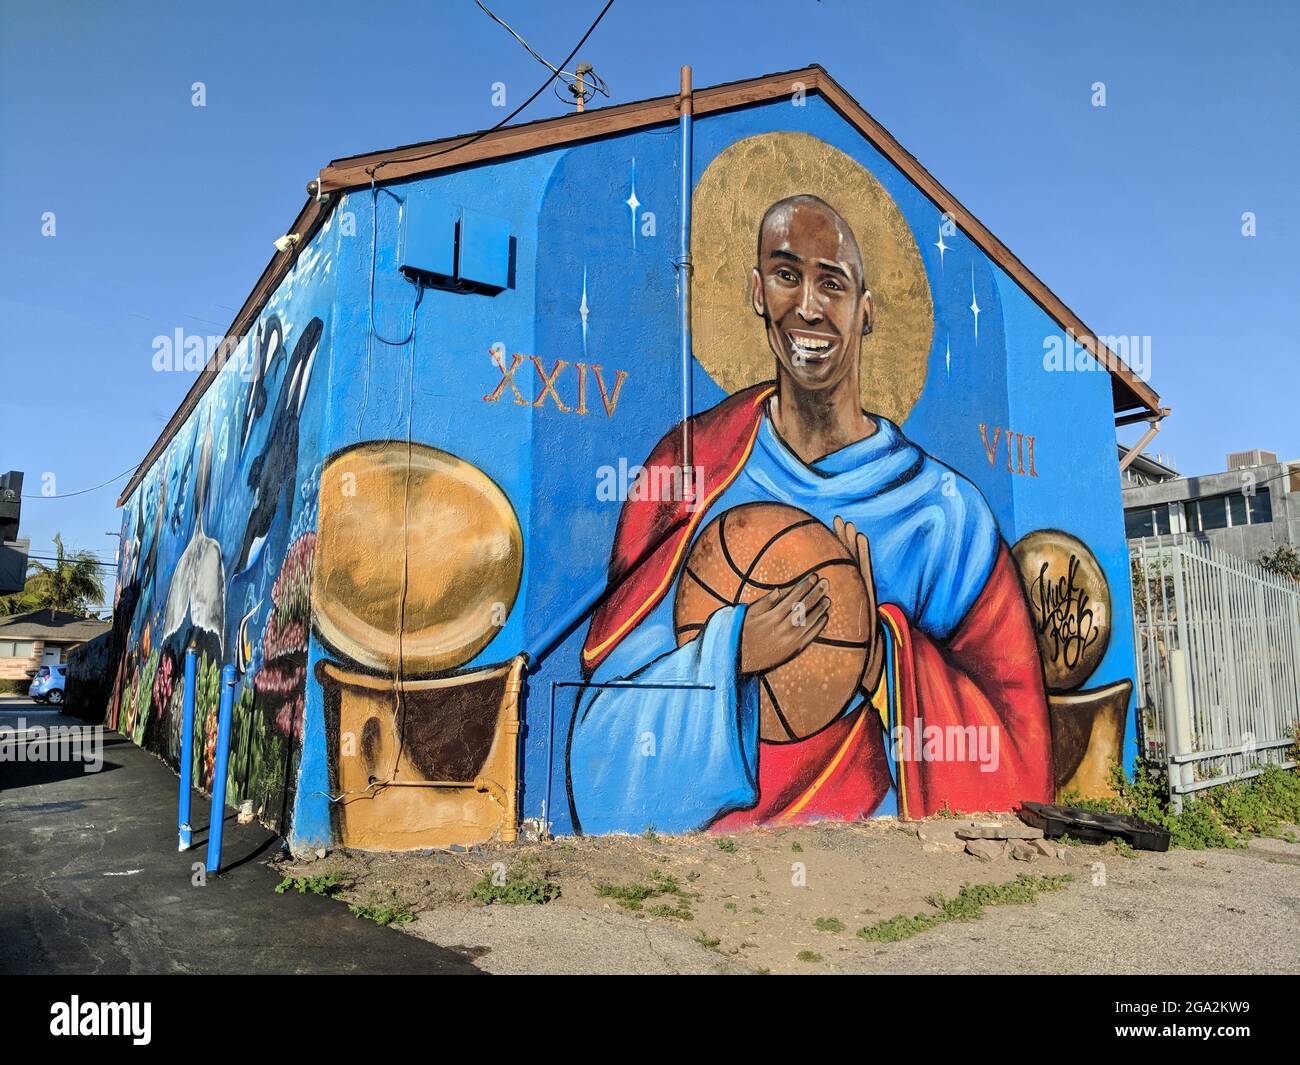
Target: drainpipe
[1147,437]
[686,107]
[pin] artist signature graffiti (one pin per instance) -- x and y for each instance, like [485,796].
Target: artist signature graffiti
[1062,611]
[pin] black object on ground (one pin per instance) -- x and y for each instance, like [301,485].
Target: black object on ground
[1092,826]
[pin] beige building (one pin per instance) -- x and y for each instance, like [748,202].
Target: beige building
[41,638]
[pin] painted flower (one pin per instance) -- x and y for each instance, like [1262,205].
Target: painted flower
[287,627]
[162,687]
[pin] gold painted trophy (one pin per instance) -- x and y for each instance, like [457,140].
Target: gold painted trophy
[418,562]
[1069,602]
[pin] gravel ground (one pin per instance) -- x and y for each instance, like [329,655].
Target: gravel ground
[750,903]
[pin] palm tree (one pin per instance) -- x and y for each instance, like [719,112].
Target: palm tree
[71,585]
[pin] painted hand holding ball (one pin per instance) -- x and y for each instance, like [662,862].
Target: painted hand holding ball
[811,618]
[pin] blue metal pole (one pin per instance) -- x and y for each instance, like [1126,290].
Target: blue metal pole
[187,751]
[216,815]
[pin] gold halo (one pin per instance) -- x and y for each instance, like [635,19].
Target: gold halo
[729,202]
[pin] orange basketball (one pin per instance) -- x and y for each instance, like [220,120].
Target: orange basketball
[743,554]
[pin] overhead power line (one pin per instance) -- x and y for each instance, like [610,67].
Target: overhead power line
[83,491]
[590,81]
[374,169]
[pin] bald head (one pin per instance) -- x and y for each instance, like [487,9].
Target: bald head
[806,212]
[809,289]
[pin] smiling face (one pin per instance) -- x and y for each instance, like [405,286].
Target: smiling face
[808,288]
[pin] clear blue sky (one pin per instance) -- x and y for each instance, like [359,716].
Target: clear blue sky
[165,212]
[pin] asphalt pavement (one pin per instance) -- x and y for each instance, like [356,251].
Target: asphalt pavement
[91,881]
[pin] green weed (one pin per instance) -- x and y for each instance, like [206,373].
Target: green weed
[381,910]
[633,896]
[327,884]
[968,905]
[518,889]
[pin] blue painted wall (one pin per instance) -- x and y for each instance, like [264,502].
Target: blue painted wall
[590,285]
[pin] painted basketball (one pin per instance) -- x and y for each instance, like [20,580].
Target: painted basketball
[743,554]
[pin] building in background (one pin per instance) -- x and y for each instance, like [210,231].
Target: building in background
[13,551]
[42,638]
[1248,510]
[1146,469]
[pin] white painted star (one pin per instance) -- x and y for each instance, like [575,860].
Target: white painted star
[941,246]
[947,356]
[632,202]
[583,309]
[974,304]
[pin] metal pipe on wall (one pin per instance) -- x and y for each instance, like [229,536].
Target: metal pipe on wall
[686,107]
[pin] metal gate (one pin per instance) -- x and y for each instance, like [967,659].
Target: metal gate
[1218,654]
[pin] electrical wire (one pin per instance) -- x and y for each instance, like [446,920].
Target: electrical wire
[54,558]
[96,488]
[592,82]
[529,48]
[375,168]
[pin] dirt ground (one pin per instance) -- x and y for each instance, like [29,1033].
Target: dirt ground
[752,903]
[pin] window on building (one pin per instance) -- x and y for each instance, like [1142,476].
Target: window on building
[1229,511]
[1237,509]
[1205,515]
[16,648]
[1146,521]
[1260,506]
[1137,523]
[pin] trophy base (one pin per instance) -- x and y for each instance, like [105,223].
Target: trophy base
[1087,737]
[423,764]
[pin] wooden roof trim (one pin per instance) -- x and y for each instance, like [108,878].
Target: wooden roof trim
[353,172]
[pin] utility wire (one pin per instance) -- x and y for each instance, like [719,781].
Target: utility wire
[53,558]
[592,82]
[374,169]
[96,488]
[529,48]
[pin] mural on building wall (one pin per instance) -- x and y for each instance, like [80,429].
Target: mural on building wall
[217,547]
[885,619]
[827,595]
